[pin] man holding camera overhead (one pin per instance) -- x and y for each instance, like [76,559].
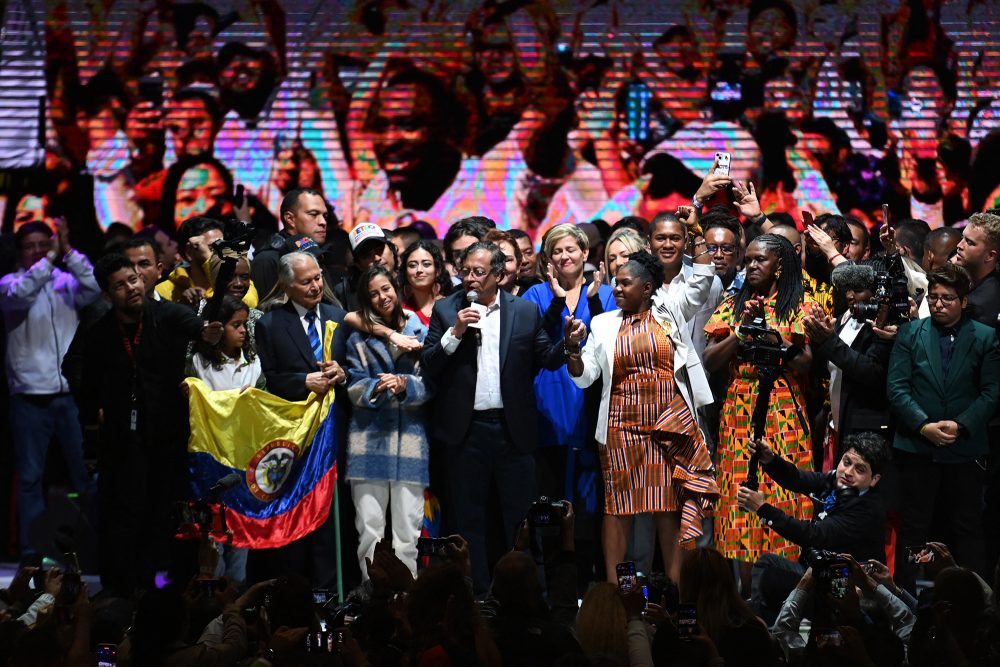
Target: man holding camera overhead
[850,516]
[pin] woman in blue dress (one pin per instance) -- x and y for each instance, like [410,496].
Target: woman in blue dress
[566,424]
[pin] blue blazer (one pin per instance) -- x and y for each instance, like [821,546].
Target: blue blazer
[285,354]
[524,349]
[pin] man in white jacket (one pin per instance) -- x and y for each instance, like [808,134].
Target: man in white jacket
[40,303]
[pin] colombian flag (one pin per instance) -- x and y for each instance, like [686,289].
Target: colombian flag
[285,453]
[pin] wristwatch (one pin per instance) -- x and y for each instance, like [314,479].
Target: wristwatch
[569,351]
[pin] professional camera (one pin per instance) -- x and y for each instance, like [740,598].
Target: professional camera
[890,303]
[236,241]
[545,513]
[821,559]
[762,344]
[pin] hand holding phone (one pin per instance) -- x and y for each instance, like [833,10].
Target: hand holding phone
[687,619]
[722,163]
[627,578]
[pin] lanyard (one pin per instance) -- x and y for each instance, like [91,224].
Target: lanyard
[131,346]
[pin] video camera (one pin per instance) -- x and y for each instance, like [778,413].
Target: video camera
[236,240]
[890,303]
[762,345]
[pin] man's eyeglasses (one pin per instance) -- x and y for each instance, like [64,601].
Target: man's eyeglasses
[946,298]
[477,272]
[726,249]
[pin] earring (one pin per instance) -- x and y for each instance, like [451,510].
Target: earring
[777,274]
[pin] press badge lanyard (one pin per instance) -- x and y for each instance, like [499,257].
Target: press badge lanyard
[131,347]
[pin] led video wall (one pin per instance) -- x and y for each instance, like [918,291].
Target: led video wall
[530,112]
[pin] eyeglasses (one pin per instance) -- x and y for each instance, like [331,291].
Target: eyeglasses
[946,298]
[726,249]
[477,272]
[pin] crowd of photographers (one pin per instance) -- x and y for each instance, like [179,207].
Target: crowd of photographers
[765,433]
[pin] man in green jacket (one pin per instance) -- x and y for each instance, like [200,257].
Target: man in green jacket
[943,386]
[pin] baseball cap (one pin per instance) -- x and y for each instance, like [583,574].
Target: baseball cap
[366,231]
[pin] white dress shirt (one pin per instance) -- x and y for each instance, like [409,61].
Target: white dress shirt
[850,331]
[488,355]
[301,310]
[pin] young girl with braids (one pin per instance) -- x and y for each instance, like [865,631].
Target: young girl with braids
[773,287]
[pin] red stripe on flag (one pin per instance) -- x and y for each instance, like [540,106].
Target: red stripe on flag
[308,515]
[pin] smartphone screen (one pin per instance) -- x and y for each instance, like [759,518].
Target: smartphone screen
[724,160]
[838,581]
[829,639]
[107,655]
[627,579]
[687,618]
[886,218]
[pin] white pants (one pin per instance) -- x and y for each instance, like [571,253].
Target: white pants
[407,507]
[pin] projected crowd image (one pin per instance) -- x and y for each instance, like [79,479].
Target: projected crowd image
[529,113]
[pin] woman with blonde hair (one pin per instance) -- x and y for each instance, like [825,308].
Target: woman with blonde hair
[601,622]
[622,243]
[565,293]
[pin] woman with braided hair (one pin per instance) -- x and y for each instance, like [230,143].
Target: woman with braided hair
[653,455]
[773,288]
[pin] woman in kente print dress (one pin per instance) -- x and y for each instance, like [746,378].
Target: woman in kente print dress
[653,455]
[773,286]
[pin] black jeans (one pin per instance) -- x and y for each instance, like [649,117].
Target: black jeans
[487,462]
[953,491]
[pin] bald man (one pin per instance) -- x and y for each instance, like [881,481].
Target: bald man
[939,246]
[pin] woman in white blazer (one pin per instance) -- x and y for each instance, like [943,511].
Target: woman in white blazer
[653,455]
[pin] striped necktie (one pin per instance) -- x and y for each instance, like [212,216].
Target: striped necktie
[314,341]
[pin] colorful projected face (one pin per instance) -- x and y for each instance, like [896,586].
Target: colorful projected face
[200,188]
[404,132]
[191,128]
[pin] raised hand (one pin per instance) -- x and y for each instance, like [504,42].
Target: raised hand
[557,289]
[712,183]
[746,199]
[596,281]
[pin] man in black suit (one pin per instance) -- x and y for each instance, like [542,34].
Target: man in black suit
[131,368]
[290,338]
[290,344]
[858,359]
[482,355]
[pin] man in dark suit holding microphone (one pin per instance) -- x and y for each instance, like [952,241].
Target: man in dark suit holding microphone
[483,349]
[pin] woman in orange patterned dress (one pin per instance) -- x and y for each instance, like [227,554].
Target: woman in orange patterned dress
[773,287]
[653,456]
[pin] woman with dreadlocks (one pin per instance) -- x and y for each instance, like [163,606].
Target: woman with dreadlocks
[773,289]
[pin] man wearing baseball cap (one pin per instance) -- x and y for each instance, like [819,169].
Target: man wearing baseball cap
[369,246]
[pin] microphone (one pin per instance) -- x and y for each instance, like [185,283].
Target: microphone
[226,483]
[473,296]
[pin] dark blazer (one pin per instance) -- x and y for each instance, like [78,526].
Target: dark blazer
[285,354]
[863,403]
[984,302]
[524,349]
[918,391]
[105,375]
[855,525]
